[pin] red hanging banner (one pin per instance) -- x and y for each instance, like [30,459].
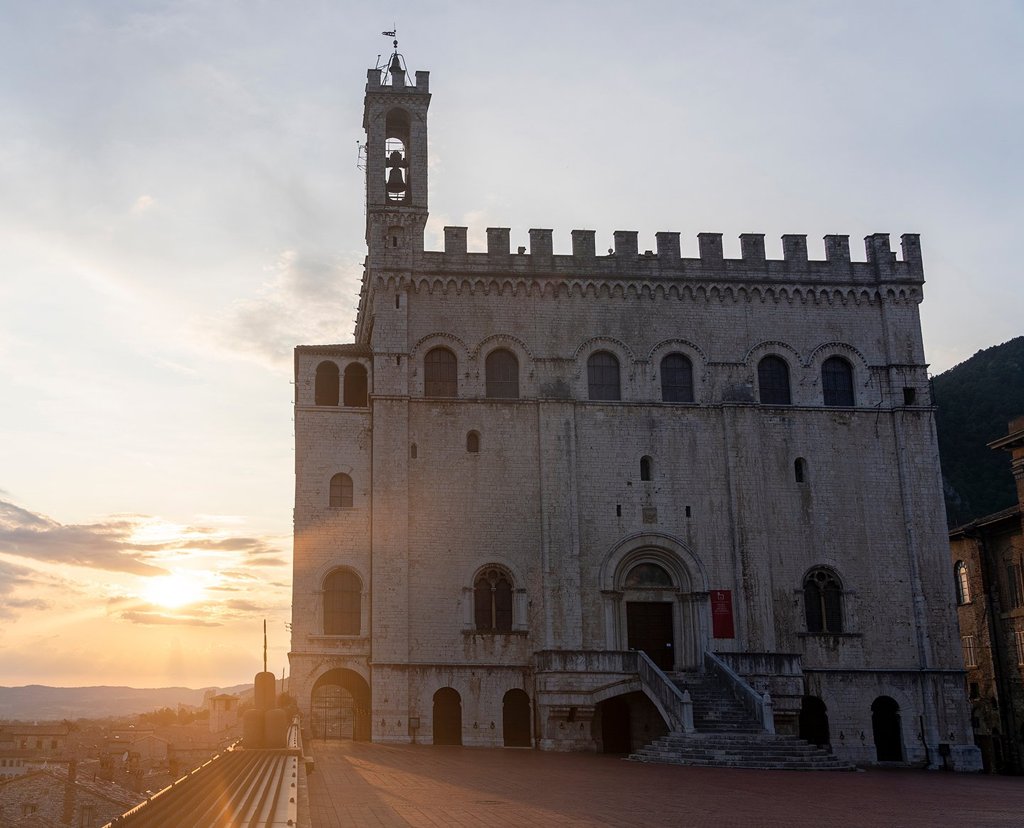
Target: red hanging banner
[721,614]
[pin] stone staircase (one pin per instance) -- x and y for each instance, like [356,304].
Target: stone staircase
[727,736]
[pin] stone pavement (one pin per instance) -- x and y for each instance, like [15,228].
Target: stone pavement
[360,784]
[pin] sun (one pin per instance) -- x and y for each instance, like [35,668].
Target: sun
[173,591]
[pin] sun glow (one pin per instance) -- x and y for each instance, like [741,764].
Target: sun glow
[173,591]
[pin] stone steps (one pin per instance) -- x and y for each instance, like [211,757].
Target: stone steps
[728,737]
[715,709]
[762,751]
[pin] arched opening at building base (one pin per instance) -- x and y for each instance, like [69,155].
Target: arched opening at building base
[623,724]
[340,706]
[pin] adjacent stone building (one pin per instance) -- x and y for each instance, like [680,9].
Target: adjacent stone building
[988,574]
[538,488]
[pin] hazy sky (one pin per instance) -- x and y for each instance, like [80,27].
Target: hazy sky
[180,206]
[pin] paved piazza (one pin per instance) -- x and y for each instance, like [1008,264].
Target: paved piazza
[360,784]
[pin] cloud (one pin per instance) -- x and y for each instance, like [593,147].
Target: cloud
[132,544]
[13,575]
[301,302]
[98,545]
[142,204]
[12,578]
[140,617]
[245,606]
[252,546]
[27,603]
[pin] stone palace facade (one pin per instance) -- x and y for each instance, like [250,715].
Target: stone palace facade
[539,491]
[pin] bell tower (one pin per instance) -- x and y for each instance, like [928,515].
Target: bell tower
[395,121]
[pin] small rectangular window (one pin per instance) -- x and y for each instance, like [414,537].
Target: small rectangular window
[1018,640]
[909,396]
[970,651]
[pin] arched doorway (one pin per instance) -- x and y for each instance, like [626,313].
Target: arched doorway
[886,726]
[515,719]
[655,597]
[340,706]
[649,620]
[616,734]
[814,721]
[447,717]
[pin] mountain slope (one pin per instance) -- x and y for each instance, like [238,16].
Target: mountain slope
[40,702]
[976,399]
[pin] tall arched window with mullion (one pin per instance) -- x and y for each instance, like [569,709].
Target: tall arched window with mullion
[773,381]
[837,382]
[823,602]
[676,379]
[440,373]
[603,376]
[502,371]
[342,603]
[492,601]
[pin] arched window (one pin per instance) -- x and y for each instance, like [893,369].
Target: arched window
[502,371]
[963,584]
[342,597]
[603,376]
[823,602]
[341,490]
[646,466]
[492,601]
[800,470]
[440,373]
[473,442]
[676,379]
[355,385]
[326,387]
[773,381]
[837,381]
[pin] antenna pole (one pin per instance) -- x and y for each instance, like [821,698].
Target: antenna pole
[264,645]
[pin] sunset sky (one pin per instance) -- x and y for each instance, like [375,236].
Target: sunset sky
[180,206]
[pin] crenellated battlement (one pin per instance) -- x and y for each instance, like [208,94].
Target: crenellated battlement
[625,259]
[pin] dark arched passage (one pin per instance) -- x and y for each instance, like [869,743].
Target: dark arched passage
[885,724]
[447,717]
[625,723]
[814,721]
[515,719]
[616,733]
[340,706]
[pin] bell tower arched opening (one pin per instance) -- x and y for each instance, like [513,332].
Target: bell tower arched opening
[396,156]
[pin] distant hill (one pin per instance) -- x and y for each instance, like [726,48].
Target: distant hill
[39,702]
[976,400]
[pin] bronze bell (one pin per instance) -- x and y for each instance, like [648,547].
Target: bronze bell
[396,181]
[395,159]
